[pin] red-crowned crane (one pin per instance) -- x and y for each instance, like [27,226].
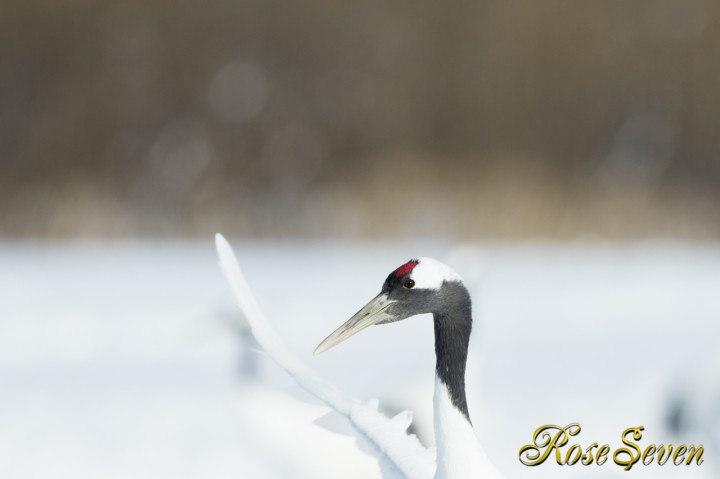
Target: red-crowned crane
[419,286]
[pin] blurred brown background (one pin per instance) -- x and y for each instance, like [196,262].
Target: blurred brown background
[308,118]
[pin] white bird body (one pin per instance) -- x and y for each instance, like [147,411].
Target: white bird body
[458,455]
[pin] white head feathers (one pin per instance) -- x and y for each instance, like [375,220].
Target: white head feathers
[430,274]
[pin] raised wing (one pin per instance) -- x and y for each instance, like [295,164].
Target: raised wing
[400,454]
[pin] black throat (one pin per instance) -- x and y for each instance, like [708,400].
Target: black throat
[453,324]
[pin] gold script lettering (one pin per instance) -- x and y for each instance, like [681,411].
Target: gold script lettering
[552,437]
[662,458]
[602,454]
[692,453]
[544,442]
[647,456]
[679,455]
[587,458]
[628,463]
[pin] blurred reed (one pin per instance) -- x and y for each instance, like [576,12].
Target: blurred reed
[307,118]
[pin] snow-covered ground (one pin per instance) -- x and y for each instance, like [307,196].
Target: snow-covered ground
[127,359]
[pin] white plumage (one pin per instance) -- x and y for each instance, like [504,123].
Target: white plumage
[459,455]
[431,274]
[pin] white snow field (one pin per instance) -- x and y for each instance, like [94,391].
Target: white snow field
[127,359]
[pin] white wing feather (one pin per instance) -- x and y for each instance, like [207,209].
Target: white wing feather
[388,438]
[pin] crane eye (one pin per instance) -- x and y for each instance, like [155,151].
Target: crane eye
[409,284]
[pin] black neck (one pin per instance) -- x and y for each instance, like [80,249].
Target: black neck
[452,336]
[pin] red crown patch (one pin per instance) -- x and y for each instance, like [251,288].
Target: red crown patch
[405,269]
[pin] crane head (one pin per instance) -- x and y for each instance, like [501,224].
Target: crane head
[422,285]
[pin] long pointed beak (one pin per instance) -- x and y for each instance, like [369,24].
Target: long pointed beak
[375,312]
